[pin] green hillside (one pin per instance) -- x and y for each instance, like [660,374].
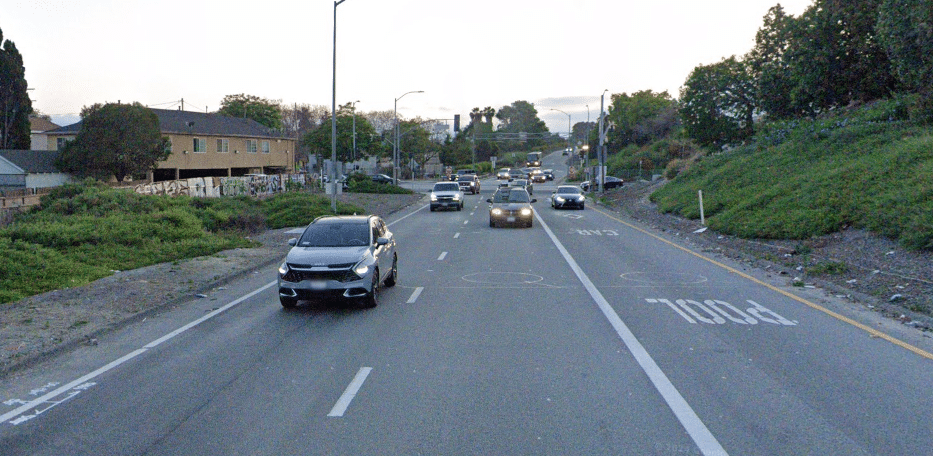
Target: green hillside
[867,168]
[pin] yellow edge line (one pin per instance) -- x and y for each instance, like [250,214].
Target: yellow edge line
[874,332]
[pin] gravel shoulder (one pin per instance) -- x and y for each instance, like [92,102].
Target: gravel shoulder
[876,274]
[41,326]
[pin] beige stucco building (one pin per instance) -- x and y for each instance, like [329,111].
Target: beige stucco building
[204,144]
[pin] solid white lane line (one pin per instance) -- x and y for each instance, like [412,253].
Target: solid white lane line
[210,315]
[456,235]
[414,296]
[698,431]
[466,221]
[406,216]
[443,255]
[87,378]
[341,406]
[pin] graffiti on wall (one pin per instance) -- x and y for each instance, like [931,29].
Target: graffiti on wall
[212,187]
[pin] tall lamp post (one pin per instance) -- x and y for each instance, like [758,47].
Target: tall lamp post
[395,157]
[353,108]
[569,129]
[602,140]
[333,121]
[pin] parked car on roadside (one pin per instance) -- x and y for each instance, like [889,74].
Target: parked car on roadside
[609,183]
[446,195]
[339,257]
[382,179]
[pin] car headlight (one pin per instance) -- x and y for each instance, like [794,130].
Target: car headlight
[456,197]
[526,212]
[433,197]
[361,269]
[497,212]
[559,199]
[283,269]
[582,198]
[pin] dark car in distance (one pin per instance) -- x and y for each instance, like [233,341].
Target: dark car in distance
[382,179]
[608,184]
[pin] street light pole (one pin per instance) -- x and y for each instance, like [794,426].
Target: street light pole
[395,157]
[353,104]
[602,140]
[333,120]
[569,129]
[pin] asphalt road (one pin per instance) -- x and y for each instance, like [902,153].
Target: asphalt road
[586,334]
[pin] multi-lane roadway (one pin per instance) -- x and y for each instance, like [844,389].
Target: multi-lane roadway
[586,334]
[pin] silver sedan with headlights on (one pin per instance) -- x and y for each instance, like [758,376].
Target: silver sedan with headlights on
[567,196]
[339,257]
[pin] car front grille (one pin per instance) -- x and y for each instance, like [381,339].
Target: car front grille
[339,275]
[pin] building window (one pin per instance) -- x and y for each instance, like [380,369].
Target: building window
[265,147]
[60,143]
[251,146]
[199,146]
[223,146]
[168,146]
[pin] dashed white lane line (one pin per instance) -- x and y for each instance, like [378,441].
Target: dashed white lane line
[341,406]
[466,221]
[414,296]
[443,255]
[456,235]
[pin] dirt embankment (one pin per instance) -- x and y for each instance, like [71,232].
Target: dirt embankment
[867,269]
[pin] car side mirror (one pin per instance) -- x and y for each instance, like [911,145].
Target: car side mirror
[534,200]
[488,200]
[293,242]
[382,241]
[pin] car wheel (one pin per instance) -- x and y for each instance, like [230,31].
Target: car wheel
[288,303]
[393,274]
[372,299]
[491,224]
[433,209]
[581,206]
[460,207]
[530,224]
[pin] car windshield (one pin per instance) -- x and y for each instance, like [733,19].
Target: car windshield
[335,235]
[520,182]
[511,196]
[465,177]
[568,189]
[446,187]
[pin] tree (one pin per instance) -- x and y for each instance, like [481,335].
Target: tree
[522,117]
[15,106]
[641,117]
[769,63]
[905,29]
[718,103]
[115,140]
[268,113]
[368,143]
[835,57]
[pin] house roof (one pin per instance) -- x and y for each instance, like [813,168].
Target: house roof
[40,124]
[196,123]
[32,161]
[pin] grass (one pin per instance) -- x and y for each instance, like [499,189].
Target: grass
[84,232]
[803,179]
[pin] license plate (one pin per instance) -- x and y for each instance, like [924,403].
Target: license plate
[510,219]
[318,284]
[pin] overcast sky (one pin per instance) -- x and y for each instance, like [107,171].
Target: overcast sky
[462,54]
